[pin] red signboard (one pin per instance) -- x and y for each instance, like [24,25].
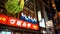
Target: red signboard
[3,19]
[16,22]
[11,21]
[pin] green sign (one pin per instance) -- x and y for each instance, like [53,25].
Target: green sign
[14,6]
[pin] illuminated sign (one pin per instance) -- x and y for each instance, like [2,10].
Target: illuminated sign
[3,19]
[28,18]
[16,22]
[42,23]
[39,16]
[49,24]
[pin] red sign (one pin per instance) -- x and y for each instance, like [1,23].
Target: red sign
[3,19]
[11,21]
[16,22]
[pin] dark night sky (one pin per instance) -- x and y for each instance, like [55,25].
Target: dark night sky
[57,5]
[51,13]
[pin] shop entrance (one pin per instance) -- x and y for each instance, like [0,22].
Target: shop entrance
[6,31]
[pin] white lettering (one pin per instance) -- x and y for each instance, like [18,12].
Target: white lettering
[29,25]
[29,17]
[12,21]
[19,23]
[24,24]
[35,19]
[22,14]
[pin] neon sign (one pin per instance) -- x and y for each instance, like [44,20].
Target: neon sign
[17,23]
[3,19]
[28,18]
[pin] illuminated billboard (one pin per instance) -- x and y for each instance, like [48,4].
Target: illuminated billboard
[41,20]
[10,21]
[42,23]
[28,18]
[49,24]
[39,16]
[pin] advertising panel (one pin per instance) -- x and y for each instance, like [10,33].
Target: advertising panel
[41,20]
[28,18]
[42,23]
[49,24]
[10,21]
[39,15]
[3,19]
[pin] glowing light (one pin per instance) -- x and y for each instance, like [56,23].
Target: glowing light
[24,24]
[4,19]
[35,27]
[29,25]
[0,18]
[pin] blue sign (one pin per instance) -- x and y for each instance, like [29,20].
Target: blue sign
[28,18]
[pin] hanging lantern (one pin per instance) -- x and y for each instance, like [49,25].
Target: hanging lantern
[14,6]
